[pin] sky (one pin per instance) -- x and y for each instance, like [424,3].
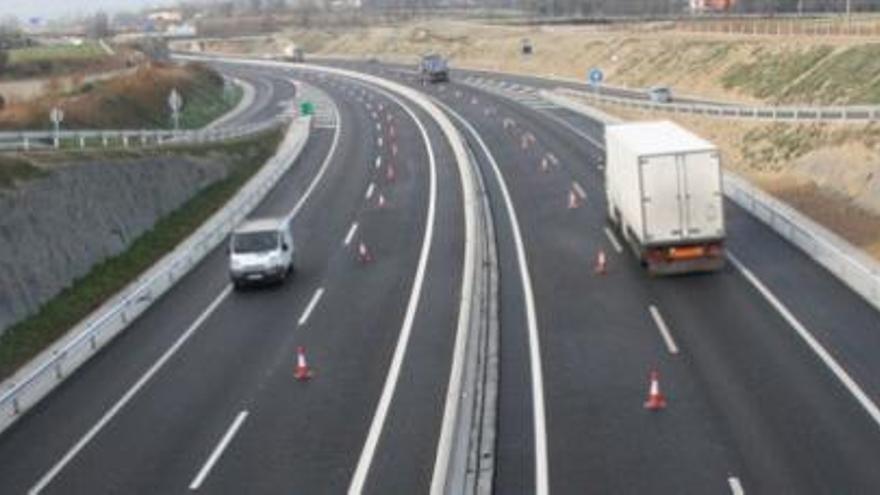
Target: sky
[55,9]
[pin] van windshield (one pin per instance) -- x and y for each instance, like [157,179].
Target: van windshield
[255,242]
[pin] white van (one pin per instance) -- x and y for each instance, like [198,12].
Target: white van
[260,251]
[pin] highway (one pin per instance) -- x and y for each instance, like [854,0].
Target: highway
[124,425]
[751,404]
[199,394]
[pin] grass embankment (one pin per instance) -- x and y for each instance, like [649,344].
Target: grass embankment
[40,61]
[85,50]
[792,69]
[133,101]
[29,337]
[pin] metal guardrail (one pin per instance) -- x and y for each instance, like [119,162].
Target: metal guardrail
[849,264]
[845,261]
[104,325]
[81,139]
[859,114]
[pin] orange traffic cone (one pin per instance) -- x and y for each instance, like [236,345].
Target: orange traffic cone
[655,401]
[601,263]
[364,255]
[301,371]
[380,203]
[573,200]
[390,174]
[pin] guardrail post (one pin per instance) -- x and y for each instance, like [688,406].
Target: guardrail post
[27,143]
[59,372]
[104,139]
[143,138]
[16,407]
[82,141]
[124,141]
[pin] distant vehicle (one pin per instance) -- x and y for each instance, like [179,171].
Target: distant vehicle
[660,94]
[433,68]
[261,251]
[294,54]
[663,185]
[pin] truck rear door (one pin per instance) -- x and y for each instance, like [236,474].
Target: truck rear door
[661,199]
[702,194]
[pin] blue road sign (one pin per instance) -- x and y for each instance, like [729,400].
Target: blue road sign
[595,76]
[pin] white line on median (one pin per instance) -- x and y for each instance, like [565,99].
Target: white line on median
[218,451]
[311,307]
[351,232]
[378,161]
[811,341]
[579,189]
[109,415]
[379,141]
[613,239]
[664,330]
[370,189]
[735,486]
[378,127]
[542,477]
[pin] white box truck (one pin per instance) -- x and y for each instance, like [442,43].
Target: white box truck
[663,185]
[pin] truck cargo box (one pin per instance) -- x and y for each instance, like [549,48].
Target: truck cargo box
[663,185]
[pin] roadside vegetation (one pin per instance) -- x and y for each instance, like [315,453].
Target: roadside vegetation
[137,100]
[37,53]
[15,169]
[29,337]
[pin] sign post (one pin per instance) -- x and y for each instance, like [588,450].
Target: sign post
[174,103]
[57,116]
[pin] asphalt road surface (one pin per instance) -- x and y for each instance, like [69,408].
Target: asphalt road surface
[199,394]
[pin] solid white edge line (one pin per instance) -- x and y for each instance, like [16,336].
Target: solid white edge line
[218,451]
[735,486]
[811,341]
[539,416]
[113,411]
[370,189]
[664,330]
[365,460]
[311,307]
[350,235]
[613,240]
[324,166]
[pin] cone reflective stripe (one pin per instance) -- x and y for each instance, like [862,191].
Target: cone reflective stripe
[302,371]
[655,401]
[601,262]
[544,164]
[390,174]
[381,201]
[573,200]
[364,255]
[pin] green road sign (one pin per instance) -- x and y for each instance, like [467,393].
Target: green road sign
[306,108]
